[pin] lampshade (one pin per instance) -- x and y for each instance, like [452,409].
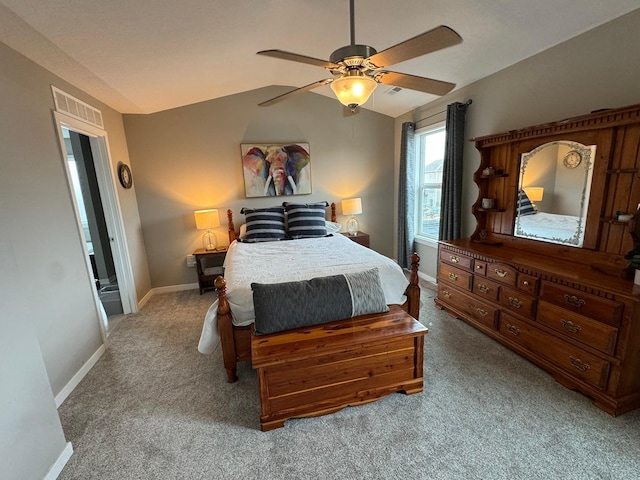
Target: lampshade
[354,88]
[206,219]
[352,206]
[534,193]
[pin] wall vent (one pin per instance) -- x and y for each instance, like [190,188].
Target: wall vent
[75,108]
[393,90]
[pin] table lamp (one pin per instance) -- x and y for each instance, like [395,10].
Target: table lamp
[534,193]
[206,220]
[352,206]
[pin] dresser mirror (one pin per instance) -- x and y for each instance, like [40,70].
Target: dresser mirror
[554,186]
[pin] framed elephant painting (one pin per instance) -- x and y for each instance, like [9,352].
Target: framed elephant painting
[273,170]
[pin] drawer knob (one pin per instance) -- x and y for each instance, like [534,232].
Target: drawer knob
[574,301]
[453,276]
[513,330]
[446,294]
[501,273]
[482,312]
[478,267]
[570,326]
[526,283]
[515,303]
[579,364]
[483,288]
[454,259]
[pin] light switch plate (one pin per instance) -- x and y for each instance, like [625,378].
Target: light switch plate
[191,261]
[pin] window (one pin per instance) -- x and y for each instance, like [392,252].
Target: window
[430,158]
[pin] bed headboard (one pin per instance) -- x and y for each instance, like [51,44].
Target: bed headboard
[232,229]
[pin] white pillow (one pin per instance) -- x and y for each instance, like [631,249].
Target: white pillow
[332,227]
[243,231]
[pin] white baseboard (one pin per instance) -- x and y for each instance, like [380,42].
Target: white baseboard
[167,289]
[59,464]
[428,278]
[75,380]
[145,299]
[175,288]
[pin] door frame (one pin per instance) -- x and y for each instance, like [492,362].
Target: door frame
[106,176]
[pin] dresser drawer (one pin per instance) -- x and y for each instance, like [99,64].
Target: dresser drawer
[601,309]
[485,288]
[480,311]
[518,302]
[479,267]
[456,259]
[564,355]
[502,273]
[455,276]
[590,332]
[527,283]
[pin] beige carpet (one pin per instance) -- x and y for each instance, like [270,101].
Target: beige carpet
[155,408]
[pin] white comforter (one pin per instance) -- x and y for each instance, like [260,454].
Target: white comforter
[552,227]
[293,260]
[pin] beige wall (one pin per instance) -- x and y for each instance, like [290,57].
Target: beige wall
[42,264]
[599,69]
[189,158]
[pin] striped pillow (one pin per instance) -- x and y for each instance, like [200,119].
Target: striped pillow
[306,220]
[264,224]
[525,206]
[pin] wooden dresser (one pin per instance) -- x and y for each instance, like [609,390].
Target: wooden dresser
[571,309]
[580,325]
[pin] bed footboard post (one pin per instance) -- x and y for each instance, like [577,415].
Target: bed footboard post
[413,290]
[225,328]
[230,226]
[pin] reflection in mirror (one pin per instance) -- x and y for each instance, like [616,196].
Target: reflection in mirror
[553,192]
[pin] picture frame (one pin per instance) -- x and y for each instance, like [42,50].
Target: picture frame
[124,175]
[276,169]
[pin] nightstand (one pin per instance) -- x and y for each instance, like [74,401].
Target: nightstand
[209,267]
[360,237]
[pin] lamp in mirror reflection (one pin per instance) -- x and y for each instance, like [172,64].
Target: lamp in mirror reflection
[534,193]
[206,220]
[352,206]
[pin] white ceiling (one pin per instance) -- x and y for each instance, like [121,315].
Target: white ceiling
[143,56]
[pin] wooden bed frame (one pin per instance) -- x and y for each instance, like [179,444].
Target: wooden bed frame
[236,341]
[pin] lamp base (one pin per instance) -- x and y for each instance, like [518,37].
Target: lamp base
[210,241]
[352,226]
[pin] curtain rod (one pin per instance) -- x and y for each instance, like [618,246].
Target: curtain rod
[468,102]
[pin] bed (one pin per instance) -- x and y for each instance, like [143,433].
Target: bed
[229,321]
[554,228]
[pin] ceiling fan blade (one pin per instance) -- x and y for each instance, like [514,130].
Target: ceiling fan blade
[294,57]
[431,41]
[412,82]
[306,88]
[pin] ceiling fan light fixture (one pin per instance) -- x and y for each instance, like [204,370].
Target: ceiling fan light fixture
[354,89]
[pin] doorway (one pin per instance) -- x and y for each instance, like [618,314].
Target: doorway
[91,183]
[94,227]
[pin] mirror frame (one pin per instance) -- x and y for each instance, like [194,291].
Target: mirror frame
[588,153]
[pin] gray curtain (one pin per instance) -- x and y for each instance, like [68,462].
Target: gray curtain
[451,206]
[406,195]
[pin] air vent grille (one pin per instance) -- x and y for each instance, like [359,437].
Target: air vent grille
[75,108]
[393,90]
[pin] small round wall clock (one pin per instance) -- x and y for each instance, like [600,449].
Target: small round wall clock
[572,159]
[124,174]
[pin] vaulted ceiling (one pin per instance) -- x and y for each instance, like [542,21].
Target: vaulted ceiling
[145,56]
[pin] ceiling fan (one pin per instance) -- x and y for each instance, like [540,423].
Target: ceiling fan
[358,69]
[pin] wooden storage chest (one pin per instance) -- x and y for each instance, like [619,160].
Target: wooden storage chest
[317,370]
